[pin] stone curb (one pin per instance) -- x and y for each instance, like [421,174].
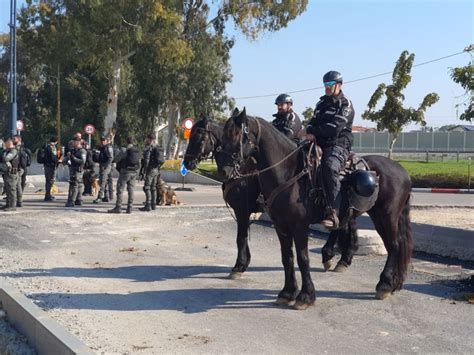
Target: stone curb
[44,334]
[438,240]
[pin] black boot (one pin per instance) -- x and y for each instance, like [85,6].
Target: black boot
[49,198]
[97,200]
[69,204]
[331,221]
[105,199]
[129,209]
[78,203]
[19,204]
[146,208]
[116,209]
[153,206]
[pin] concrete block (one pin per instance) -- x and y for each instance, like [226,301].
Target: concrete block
[44,335]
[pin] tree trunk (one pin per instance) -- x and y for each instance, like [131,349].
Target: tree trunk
[58,105]
[392,143]
[173,119]
[110,120]
[112,99]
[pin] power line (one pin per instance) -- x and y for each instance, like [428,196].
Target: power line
[351,81]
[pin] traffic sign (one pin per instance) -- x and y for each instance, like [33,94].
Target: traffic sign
[183,169]
[188,123]
[89,129]
[187,133]
[20,126]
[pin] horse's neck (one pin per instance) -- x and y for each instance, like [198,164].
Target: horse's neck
[275,151]
[217,132]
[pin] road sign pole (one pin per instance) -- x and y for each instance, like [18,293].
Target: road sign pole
[89,141]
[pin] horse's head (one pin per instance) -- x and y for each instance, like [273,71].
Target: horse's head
[201,143]
[239,143]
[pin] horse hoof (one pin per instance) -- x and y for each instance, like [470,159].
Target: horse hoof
[381,295]
[301,306]
[327,265]
[235,275]
[284,301]
[340,268]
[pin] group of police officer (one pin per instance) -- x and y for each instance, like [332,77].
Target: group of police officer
[127,160]
[330,126]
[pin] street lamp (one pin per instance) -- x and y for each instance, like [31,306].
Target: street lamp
[13,106]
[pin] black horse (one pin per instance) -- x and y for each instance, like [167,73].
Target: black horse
[284,183]
[240,194]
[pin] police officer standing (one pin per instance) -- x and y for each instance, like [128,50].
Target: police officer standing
[128,163]
[50,164]
[11,158]
[331,125]
[150,171]
[106,158]
[286,120]
[76,158]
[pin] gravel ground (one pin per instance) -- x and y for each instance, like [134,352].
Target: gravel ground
[450,217]
[156,283]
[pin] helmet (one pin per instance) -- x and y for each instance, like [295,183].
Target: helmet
[283,99]
[332,76]
[364,182]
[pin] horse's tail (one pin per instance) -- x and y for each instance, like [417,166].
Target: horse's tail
[406,242]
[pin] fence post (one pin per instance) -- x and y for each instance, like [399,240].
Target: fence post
[469,174]
[457,156]
[427,156]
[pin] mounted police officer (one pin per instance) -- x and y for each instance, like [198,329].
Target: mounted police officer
[50,164]
[128,163]
[331,125]
[150,171]
[286,120]
[106,158]
[76,158]
[11,159]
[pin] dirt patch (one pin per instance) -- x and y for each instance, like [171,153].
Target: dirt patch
[449,217]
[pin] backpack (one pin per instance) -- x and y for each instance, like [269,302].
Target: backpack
[89,164]
[132,160]
[25,158]
[156,158]
[41,155]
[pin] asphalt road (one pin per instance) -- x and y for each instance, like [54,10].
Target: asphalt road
[156,283]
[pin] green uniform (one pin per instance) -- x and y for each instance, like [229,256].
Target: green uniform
[11,177]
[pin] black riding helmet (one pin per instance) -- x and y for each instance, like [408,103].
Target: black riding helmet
[332,76]
[283,99]
[364,183]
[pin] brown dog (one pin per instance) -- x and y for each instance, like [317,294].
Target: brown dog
[167,194]
[95,185]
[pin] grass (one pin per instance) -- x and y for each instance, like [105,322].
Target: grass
[450,174]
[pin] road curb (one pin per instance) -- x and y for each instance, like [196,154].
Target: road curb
[443,190]
[44,334]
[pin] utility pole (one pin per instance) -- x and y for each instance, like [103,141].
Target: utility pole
[13,105]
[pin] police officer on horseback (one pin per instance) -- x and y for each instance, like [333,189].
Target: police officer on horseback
[286,120]
[331,125]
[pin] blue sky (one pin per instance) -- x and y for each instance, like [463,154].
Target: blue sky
[359,39]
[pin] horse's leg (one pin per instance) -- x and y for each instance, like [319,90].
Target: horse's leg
[327,251]
[243,250]
[308,294]
[290,290]
[395,230]
[348,245]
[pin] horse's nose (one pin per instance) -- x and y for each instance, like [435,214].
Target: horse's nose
[225,172]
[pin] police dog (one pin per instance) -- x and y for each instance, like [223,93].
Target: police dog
[166,194]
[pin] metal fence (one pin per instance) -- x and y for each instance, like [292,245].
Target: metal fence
[454,142]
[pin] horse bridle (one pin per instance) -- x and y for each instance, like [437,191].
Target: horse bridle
[209,136]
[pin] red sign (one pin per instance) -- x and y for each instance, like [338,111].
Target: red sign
[89,129]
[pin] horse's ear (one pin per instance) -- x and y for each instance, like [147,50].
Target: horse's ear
[241,118]
[202,117]
[235,113]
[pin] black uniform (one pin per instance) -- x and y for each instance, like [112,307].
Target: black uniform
[50,165]
[106,158]
[332,126]
[152,160]
[287,123]
[77,158]
[128,164]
